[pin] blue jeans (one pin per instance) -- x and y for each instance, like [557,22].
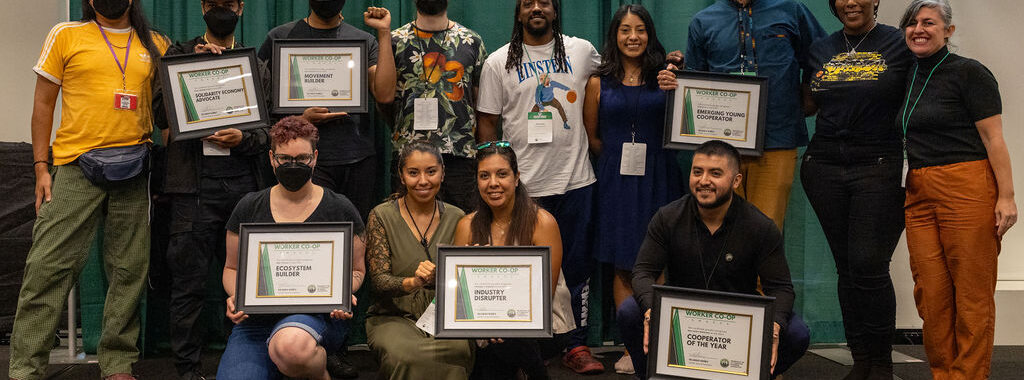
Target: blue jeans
[246,356]
[572,211]
[793,342]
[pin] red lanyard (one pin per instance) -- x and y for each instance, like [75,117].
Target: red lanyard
[127,50]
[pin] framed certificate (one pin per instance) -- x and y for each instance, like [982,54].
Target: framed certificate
[702,334]
[716,106]
[319,73]
[204,93]
[493,292]
[294,268]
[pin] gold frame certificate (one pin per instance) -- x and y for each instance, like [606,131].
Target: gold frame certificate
[204,93]
[319,73]
[294,268]
[716,106]
[493,292]
[701,334]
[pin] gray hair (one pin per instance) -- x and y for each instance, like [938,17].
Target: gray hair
[942,6]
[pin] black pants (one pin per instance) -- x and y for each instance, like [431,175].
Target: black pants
[197,239]
[356,181]
[459,185]
[860,207]
[501,361]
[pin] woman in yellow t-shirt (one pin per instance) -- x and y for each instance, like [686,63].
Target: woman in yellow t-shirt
[109,55]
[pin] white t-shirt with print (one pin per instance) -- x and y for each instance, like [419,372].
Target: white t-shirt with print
[563,164]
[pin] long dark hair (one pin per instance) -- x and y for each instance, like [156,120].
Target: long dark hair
[515,45]
[653,59]
[524,210]
[139,22]
[422,146]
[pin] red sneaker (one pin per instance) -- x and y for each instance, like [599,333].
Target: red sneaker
[581,361]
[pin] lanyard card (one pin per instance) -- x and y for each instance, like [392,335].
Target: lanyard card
[212,149]
[425,112]
[426,321]
[540,126]
[634,159]
[747,73]
[126,100]
[906,169]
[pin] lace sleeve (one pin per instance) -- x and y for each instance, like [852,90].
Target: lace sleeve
[378,256]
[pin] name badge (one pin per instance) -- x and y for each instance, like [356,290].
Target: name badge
[426,321]
[425,112]
[906,170]
[540,127]
[747,73]
[125,100]
[212,149]
[634,159]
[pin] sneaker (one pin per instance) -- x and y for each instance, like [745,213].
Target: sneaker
[338,365]
[581,361]
[624,366]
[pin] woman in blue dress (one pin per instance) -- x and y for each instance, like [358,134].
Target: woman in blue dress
[624,113]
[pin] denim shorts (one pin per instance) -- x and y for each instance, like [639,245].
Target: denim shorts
[246,356]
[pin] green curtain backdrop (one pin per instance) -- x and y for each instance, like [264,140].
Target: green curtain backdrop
[810,261]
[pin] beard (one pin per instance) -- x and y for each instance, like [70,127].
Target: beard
[431,7]
[718,202]
[538,31]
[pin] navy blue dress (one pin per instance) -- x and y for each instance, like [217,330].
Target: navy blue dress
[625,204]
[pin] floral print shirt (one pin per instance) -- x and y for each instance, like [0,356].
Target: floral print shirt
[444,65]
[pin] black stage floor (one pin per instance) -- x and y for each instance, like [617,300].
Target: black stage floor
[1007,363]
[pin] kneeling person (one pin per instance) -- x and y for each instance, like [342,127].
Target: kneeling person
[295,345]
[711,239]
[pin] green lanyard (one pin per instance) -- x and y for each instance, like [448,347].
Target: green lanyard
[911,89]
[536,75]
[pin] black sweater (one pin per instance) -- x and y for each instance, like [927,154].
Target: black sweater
[748,245]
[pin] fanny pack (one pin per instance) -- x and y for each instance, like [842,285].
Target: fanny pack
[112,166]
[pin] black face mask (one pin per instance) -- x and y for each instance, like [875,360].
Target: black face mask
[221,21]
[431,7]
[293,176]
[111,9]
[326,9]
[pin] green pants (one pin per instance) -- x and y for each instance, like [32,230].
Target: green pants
[65,228]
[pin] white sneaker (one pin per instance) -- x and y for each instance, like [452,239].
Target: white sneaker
[624,366]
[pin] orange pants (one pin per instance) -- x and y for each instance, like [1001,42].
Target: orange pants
[954,251]
[767,181]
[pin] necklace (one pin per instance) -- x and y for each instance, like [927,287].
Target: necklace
[700,254]
[206,39]
[423,238]
[853,48]
[631,78]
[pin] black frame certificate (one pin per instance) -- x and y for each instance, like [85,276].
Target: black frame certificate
[294,268]
[493,292]
[326,73]
[716,106]
[710,335]
[205,93]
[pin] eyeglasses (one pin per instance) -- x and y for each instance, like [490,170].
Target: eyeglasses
[304,159]
[496,144]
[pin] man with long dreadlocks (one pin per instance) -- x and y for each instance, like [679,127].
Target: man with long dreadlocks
[540,71]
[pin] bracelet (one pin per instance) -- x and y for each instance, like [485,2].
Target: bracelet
[43,161]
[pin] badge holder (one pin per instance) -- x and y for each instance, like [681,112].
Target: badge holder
[425,112]
[634,158]
[541,125]
[126,100]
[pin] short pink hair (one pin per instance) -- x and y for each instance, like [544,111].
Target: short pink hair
[293,127]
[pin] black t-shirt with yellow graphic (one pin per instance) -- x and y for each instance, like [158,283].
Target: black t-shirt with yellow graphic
[859,83]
